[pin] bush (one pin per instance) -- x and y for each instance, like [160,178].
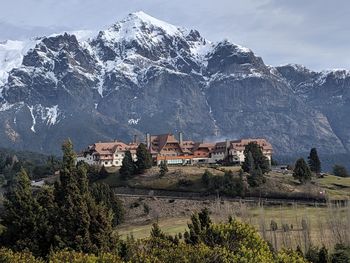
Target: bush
[146,209]
[339,170]
[206,177]
[341,254]
[8,256]
[184,182]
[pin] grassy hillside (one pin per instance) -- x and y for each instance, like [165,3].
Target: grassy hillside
[278,184]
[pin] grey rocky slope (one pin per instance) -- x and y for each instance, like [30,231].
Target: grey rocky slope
[144,75]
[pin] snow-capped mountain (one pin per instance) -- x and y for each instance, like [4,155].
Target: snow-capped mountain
[145,75]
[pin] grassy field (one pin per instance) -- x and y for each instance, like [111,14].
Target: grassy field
[296,224]
[305,224]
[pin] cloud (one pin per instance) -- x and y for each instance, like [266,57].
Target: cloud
[313,33]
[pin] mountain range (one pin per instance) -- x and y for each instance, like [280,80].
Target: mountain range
[145,75]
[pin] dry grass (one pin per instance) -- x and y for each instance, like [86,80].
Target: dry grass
[278,184]
[297,225]
[336,187]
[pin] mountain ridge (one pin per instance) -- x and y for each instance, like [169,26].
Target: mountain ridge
[145,75]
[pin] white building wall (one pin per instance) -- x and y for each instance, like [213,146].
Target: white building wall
[89,159]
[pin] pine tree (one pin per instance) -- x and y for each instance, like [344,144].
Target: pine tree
[21,216]
[128,167]
[144,159]
[156,232]
[206,177]
[250,163]
[81,224]
[73,222]
[314,161]
[104,195]
[163,168]
[302,171]
[339,170]
[256,177]
[258,157]
[48,216]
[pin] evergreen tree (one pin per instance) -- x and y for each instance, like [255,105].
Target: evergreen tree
[241,187]
[250,164]
[260,160]
[206,177]
[81,224]
[128,167]
[144,159]
[256,177]
[314,161]
[163,168]
[48,216]
[339,170]
[21,216]
[302,171]
[72,226]
[104,195]
[156,232]
[200,222]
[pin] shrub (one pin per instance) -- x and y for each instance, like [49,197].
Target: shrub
[341,171]
[184,182]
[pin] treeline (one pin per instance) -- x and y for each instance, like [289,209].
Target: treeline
[71,214]
[36,165]
[204,241]
[329,162]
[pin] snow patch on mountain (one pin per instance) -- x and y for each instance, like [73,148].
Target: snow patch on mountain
[31,109]
[134,121]
[47,115]
[11,55]
[6,106]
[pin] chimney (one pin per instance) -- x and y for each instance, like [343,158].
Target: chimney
[227,143]
[148,141]
[180,137]
[135,138]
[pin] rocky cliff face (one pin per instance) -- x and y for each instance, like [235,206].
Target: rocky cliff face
[144,75]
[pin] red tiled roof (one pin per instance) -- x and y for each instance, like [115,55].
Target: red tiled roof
[240,144]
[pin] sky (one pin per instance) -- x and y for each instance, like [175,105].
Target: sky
[315,33]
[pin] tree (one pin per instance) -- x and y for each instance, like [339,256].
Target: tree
[241,185]
[128,167]
[302,171]
[200,222]
[144,159]
[81,223]
[156,232]
[163,168]
[104,195]
[206,177]
[256,177]
[21,216]
[259,159]
[314,161]
[339,170]
[250,165]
